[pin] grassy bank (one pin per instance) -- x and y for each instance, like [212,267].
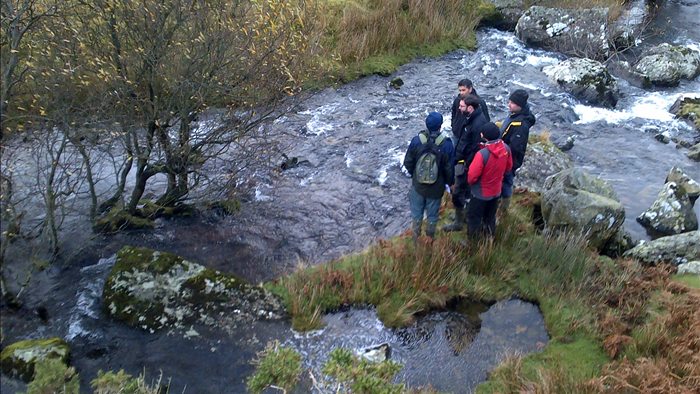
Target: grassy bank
[614,325]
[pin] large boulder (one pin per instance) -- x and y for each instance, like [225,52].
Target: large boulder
[152,290]
[577,202]
[503,14]
[18,359]
[674,249]
[691,187]
[574,32]
[671,213]
[585,79]
[542,159]
[665,64]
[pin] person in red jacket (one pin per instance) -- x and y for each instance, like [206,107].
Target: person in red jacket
[485,179]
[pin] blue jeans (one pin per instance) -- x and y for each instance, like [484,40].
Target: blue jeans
[419,204]
[507,184]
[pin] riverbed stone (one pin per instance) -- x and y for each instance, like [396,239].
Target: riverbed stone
[665,64]
[18,359]
[153,290]
[542,159]
[587,80]
[624,31]
[674,249]
[687,108]
[577,202]
[671,213]
[574,32]
[693,152]
[691,187]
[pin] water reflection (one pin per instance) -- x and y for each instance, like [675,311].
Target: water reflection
[449,350]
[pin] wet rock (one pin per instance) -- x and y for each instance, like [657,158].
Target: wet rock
[577,202]
[687,108]
[152,290]
[674,249]
[662,138]
[694,152]
[691,267]
[503,15]
[623,70]
[585,79]
[376,354]
[671,213]
[564,144]
[665,64]
[579,33]
[542,159]
[18,359]
[396,83]
[681,143]
[692,188]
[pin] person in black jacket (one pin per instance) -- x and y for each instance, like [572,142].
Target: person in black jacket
[467,146]
[515,131]
[426,197]
[466,88]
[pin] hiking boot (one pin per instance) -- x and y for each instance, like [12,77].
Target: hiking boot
[466,204]
[457,224]
[430,230]
[416,229]
[503,204]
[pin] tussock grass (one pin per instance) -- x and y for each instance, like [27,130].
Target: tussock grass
[614,324]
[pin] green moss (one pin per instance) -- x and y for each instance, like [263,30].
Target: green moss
[201,286]
[581,358]
[117,220]
[19,359]
[691,280]
[690,109]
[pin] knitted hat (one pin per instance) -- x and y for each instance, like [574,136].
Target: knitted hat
[491,132]
[434,121]
[519,97]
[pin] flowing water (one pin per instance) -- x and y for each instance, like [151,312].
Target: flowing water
[351,192]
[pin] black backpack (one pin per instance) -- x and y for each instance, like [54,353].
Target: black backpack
[429,159]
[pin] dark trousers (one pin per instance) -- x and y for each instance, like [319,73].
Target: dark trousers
[461,191]
[481,217]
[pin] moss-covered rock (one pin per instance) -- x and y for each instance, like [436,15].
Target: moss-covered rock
[585,79]
[666,64]
[671,213]
[674,249]
[152,290]
[117,220]
[18,359]
[687,108]
[577,202]
[691,187]
[542,159]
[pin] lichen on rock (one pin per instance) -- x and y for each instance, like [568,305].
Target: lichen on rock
[152,290]
[19,358]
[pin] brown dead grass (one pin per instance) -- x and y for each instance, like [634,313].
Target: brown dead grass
[661,354]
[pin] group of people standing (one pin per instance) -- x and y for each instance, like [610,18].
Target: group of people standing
[477,166]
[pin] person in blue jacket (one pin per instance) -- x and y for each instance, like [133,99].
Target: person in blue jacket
[426,195]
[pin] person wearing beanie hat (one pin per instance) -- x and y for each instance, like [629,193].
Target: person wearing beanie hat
[490,132]
[515,131]
[519,97]
[485,178]
[467,146]
[427,190]
[433,122]
[465,88]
